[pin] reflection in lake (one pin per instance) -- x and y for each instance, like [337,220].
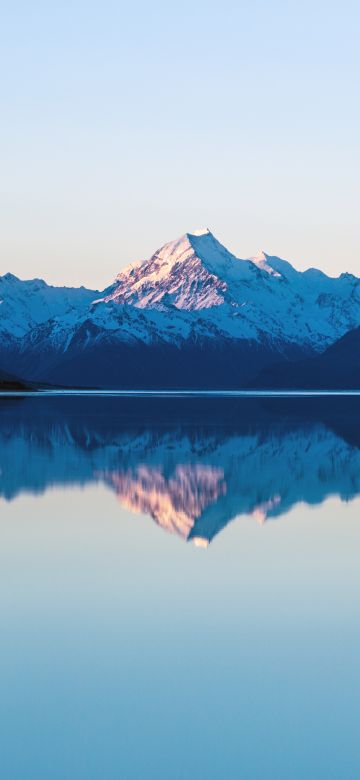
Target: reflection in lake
[193,465]
[124,652]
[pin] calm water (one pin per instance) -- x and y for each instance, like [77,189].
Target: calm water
[179,588]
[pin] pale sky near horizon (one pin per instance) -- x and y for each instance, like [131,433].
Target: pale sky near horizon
[125,125]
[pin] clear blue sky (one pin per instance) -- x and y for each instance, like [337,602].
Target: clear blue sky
[123,125]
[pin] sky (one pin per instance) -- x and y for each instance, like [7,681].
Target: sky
[125,125]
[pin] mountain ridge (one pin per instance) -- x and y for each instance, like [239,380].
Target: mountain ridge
[192,303]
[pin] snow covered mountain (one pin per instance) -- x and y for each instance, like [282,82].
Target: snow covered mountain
[191,315]
[25,304]
[247,298]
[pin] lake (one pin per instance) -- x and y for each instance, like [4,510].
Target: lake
[179,587]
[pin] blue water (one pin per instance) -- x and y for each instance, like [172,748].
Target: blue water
[67,392]
[179,583]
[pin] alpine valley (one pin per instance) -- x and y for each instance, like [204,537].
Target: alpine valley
[192,316]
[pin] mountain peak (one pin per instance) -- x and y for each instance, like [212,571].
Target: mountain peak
[192,272]
[260,256]
[195,272]
[263,261]
[200,232]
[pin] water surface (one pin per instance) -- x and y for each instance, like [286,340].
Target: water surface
[179,587]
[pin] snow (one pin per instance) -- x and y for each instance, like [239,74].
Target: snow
[26,304]
[261,261]
[200,232]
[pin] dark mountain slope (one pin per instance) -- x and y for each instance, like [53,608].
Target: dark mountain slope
[337,368]
[224,365]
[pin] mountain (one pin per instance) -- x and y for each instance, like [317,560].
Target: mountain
[335,369]
[25,304]
[263,297]
[193,315]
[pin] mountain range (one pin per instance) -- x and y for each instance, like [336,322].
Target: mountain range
[192,316]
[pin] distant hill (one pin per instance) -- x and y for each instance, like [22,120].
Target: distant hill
[8,382]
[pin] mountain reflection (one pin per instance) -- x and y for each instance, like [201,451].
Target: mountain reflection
[193,465]
[175,502]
